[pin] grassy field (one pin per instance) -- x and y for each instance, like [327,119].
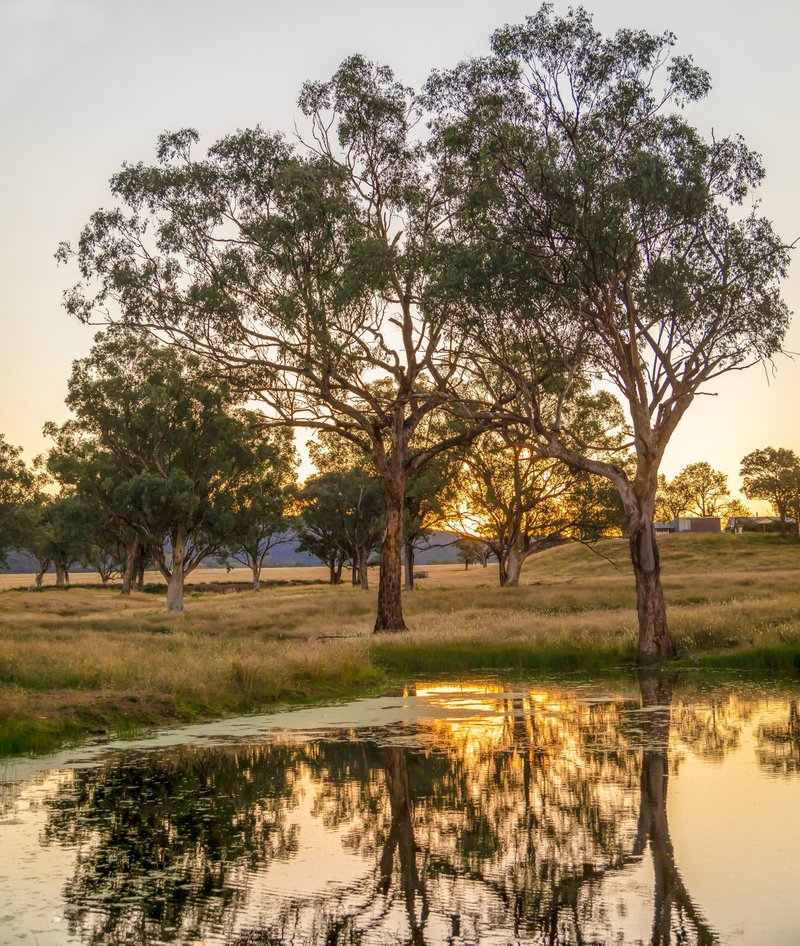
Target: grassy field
[87,661]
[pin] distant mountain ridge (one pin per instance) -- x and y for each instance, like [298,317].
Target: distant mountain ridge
[440,550]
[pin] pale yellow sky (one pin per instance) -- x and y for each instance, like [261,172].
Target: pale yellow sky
[88,84]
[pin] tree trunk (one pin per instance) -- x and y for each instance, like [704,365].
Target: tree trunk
[390,605]
[131,552]
[140,563]
[44,564]
[332,571]
[512,569]
[175,583]
[655,642]
[673,907]
[401,839]
[354,573]
[256,578]
[62,579]
[363,569]
[409,569]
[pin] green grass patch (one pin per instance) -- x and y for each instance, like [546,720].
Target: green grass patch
[757,659]
[460,656]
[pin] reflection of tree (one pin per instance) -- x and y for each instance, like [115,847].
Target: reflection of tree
[165,842]
[514,820]
[711,729]
[778,747]
[401,839]
[675,916]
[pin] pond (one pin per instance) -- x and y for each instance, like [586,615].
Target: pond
[633,810]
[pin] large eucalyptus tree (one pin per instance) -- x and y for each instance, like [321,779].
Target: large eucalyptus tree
[299,270]
[600,234]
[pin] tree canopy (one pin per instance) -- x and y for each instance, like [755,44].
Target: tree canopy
[160,444]
[541,223]
[600,235]
[773,474]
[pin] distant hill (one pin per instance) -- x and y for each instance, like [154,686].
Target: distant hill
[439,550]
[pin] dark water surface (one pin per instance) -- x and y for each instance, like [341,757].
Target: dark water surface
[482,811]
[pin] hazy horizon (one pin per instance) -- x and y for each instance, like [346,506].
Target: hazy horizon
[87,85]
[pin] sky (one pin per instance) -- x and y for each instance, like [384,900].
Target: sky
[88,84]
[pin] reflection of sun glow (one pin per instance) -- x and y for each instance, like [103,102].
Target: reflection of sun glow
[486,715]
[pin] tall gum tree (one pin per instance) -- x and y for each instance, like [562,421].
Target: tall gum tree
[600,233]
[300,271]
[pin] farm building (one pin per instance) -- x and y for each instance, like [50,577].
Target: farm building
[691,524]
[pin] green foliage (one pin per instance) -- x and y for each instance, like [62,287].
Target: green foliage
[341,518]
[518,503]
[259,504]
[599,235]
[472,552]
[58,532]
[16,484]
[158,448]
[697,490]
[773,474]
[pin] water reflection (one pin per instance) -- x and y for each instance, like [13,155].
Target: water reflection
[529,816]
[779,745]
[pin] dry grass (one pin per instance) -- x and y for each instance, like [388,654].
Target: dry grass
[88,660]
[198,575]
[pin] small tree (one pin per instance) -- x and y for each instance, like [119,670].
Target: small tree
[260,503]
[85,469]
[735,509]
[703,489]
[427,496]
[319,523]
[516,503]
[670,500]
[340,520]
[472,552]
[57,535]
[772,474]
[104,552]
[36,533]
[178,448]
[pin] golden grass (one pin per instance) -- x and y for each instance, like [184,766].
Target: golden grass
[312,573]
[87,659]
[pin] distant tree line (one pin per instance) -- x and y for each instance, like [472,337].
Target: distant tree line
[487,257]
[770,474]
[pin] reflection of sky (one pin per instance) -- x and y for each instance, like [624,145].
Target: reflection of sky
[735,827]
[736,833]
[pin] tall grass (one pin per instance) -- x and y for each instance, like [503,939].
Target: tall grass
[89,661]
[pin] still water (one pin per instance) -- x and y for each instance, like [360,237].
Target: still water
[646,810]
